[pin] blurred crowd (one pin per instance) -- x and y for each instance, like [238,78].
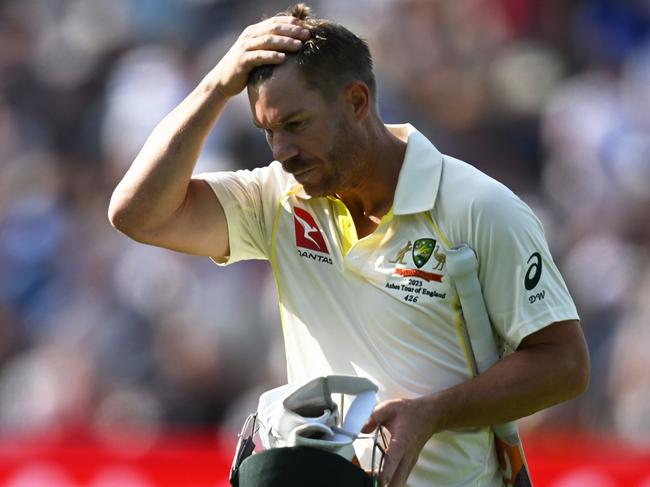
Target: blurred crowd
[98,332]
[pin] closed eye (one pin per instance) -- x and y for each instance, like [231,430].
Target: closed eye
[294,125]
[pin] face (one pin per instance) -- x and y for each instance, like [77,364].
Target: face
[313,138]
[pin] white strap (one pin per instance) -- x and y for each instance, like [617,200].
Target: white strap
[462,266]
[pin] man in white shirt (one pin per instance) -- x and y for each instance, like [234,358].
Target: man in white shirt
[355,217]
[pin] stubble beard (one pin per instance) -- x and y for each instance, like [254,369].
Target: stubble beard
[342,169]
[347,165]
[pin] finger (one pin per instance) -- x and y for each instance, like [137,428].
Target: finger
[289,19]
[271,42]
[261,57]
[401,475]
[291,30]
[387,473]
[280,25]
[370,425]
[381,415]
[394,456]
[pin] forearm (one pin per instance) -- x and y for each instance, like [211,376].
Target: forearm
[156,184]
[156,201]
[522,383]
[550,366]
[500,395]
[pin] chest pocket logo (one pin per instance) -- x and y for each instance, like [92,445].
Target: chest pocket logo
[420,254]
[422,250]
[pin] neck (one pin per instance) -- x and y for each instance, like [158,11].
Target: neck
[372,195]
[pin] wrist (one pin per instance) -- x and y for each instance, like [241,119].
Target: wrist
[439,410]
[221,83]
[211,87]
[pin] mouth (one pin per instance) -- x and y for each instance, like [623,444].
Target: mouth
[302,173]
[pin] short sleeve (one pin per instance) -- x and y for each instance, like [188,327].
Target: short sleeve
[523,288]
[247,199]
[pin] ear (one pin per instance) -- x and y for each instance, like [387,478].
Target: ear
[357,98]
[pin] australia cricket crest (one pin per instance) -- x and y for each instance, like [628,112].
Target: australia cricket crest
[422,251]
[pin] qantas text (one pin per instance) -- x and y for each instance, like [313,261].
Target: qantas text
[314,256]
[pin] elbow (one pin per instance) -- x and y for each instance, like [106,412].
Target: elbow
[116,210]
[114,213]
[578,372]
[119,215]
[583,374]
[128,216]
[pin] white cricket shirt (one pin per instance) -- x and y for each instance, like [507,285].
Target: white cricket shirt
[382,307]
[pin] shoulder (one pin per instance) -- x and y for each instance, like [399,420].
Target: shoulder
[271,179]
[470,201]
[466,190]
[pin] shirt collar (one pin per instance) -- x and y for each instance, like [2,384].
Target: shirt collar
[419,177]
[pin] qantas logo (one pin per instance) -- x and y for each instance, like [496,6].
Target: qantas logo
[308,235]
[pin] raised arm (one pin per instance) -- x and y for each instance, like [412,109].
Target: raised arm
[157,202]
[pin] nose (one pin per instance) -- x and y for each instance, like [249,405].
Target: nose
[282,146]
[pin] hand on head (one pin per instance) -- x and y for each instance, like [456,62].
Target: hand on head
[266,42]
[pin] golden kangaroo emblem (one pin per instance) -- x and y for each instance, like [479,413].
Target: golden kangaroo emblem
[441,258]
[402,252]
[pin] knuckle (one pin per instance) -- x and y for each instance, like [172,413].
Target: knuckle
[249,58]
[257,57]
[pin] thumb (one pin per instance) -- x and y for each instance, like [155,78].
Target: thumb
[377,417]
[370,425]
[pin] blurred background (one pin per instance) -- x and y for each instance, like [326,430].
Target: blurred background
[100,335]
